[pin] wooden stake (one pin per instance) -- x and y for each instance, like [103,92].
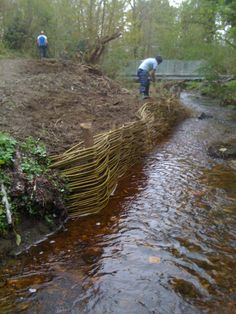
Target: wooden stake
[87,134]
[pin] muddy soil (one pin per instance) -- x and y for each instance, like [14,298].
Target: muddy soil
[49,99]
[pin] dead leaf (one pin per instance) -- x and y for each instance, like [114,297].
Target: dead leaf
[223,149]
[154,259]
[113,218]
[18,239]
[198,193]
[32,290]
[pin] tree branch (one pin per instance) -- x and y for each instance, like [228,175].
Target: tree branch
[6,204]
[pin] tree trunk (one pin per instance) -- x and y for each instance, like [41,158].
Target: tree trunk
[93,54]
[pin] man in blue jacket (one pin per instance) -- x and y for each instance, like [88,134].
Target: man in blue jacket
[42,43]
[146,73]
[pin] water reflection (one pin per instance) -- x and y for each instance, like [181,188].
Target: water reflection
[165,243]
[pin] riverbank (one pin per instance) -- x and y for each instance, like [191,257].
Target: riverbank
[48,100]
[32,195]
[224,91]
[165,241]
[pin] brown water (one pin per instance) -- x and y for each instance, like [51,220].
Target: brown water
[166,243]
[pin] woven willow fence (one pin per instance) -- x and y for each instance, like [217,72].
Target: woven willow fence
[92,173]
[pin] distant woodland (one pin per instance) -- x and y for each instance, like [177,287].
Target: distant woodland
[117,31]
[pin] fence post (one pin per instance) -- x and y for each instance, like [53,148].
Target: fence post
[87,134]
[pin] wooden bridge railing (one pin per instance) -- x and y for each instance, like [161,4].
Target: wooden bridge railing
[170,69]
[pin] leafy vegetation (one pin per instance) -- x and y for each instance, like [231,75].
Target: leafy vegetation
[225,92]
[31,187]
[7,149]
[35,161]
[196,30]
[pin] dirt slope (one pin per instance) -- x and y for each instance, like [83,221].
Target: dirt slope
[49,99]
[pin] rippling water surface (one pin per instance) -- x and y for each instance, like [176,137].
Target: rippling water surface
[165,244]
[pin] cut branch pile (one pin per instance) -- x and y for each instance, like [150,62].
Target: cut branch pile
[93,172]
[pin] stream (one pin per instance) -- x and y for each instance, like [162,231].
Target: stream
[166,242]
